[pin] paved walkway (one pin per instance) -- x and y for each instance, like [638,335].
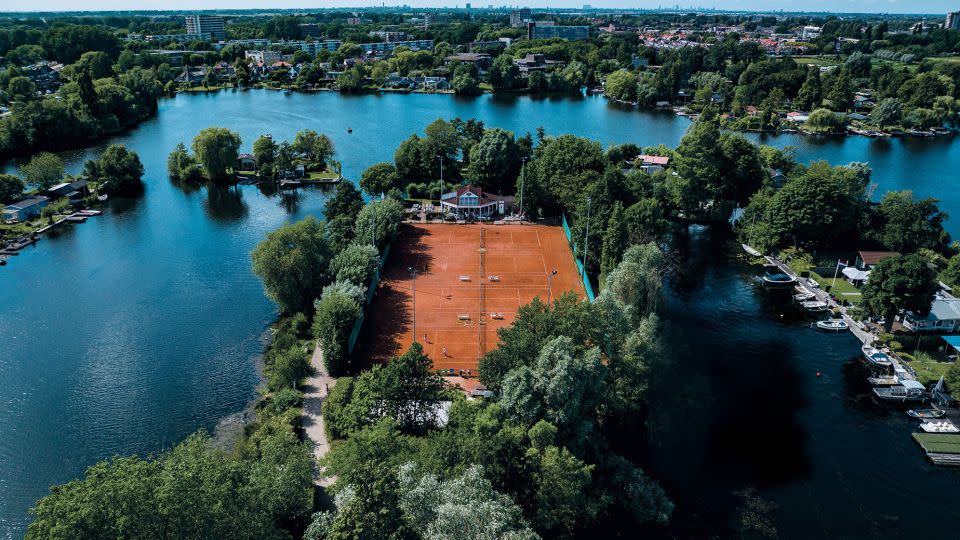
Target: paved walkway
[314,392]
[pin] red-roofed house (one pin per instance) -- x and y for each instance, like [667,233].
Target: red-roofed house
[651,164]
[471,202]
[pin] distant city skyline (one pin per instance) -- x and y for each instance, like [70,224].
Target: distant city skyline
[844,6]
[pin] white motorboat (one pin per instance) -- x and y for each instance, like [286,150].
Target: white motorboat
[814,305]
[778,280]
[804,296]
[832,325]
[876,357]
[939,426]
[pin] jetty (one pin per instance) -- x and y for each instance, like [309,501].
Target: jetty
[857,328]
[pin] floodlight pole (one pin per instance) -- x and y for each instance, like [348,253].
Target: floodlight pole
[440,157]
[413,274]
[523,174]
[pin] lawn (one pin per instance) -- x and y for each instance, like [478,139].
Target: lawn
[323,175]
[941,443]
[841,289]
[817,60]
[928,369]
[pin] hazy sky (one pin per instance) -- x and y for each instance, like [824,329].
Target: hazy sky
[870,6]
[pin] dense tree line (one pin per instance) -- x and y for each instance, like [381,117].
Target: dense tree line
[541,441]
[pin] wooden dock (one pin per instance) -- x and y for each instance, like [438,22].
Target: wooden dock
[856,327]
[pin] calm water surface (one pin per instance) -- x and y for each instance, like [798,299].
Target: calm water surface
[126,333]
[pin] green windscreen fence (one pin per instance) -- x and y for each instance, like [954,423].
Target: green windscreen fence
[374,281]
[583,275]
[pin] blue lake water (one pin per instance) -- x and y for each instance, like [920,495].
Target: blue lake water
[126,333]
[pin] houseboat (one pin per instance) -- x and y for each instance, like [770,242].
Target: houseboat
[904,392]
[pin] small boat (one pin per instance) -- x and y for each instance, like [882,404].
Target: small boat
[883,380]
[349,130]
[832,325]
[903,392]
[939,426]
[778,280]
[751,251]
[923,414]
[814,305]
[804,296]
[102,198]
[876,357]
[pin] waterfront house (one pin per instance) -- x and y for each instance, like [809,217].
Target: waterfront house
[246,162]
[471,202]
[944,316]
[530,63]
[859,273]
[74,191]
[777,178]
[866,260]
[25,209]
[651,164]
[480,60]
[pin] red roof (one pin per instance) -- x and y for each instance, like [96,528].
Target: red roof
[871,258]
[654,160]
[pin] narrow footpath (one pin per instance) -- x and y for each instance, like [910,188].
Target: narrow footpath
[314,392]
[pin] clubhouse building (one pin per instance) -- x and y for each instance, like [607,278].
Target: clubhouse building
[471,202]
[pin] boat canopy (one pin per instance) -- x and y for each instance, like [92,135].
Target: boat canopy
[778,277]
[853,274]
[911,384]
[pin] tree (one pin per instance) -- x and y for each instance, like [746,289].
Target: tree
[951,275]
[347,201]
[11,188]
[292,262]
[367,510]
[216,150]
[409,160]
[503,73]
[408,390]
[379,178]
[902,283]
[192,491]
[182,166]
[355,264]
[351,80]
[378,222]
[886,113]
[336,313]
[821,206]
[119,171]
[698,162]
[825,121]
[314,148]
[97,63]
[466,507]
[811,92]
[562,166]
[43,170]
[615,240]
[907,225]
[494,161]
[265,153]
[839,92]
[621,85]
[288,368]
[466,84]
[21,88]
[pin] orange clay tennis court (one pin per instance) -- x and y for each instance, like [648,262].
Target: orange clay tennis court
[464,293]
